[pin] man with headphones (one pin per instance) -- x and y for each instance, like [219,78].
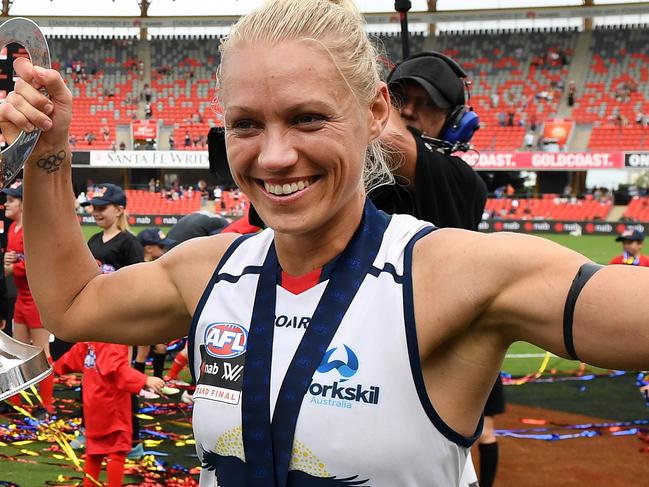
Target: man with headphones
[431,121]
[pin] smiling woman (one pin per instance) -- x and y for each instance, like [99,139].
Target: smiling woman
[402,328]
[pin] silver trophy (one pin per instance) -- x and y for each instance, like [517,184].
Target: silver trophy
[21,365]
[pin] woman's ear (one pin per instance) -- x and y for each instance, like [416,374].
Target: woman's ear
[380,111]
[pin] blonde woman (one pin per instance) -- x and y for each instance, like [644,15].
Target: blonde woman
[339,345]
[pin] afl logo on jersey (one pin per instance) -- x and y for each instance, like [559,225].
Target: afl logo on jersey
[225,340]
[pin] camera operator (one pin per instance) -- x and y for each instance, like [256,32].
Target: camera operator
[429,122]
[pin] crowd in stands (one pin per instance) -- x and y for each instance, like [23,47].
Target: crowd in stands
[519,79]
[177,199]
[506,204]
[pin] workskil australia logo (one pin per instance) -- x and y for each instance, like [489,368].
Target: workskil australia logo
[225,340]
[341,393]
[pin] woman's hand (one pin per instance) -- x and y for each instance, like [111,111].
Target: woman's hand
[28,108]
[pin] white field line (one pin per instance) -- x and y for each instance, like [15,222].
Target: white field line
[528,355]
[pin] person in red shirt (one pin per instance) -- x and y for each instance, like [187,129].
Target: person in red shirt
[27,325]
[108,382]
[632,241]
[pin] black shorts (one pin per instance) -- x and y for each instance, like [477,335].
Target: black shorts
[496,400]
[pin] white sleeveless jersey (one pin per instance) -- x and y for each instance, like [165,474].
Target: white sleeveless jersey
[366,419]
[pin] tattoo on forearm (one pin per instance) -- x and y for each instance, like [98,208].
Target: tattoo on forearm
[52,163]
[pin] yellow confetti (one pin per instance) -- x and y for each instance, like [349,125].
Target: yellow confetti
[190,442]
[29,452]
[180,443]
[144,416]
[58,457]
[22,443]
[181,423]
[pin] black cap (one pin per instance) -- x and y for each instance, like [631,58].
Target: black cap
[197,225]
[154,236]
[107,194]
[16,191]
[434,75]
[631,234]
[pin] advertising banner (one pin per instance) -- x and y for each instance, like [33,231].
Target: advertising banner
[137,220]
[144,129]
[557,129]
[544,161]
[150,159]
[576,228]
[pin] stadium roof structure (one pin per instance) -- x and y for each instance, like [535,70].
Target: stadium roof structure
[191,13]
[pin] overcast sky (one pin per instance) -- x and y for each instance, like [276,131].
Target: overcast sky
[118,8]
[237,7]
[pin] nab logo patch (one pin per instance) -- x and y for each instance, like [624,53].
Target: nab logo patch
[225,340]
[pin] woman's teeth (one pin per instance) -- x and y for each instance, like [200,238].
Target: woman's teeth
[285,189]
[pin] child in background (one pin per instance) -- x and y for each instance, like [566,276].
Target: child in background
[632,241]
[108,382]
[27,325]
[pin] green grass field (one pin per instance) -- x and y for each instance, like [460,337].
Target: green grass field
[524,358]
[614,398]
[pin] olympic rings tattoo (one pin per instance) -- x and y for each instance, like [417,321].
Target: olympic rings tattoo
[52,163]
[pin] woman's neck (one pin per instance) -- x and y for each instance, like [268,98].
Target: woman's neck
[302,253]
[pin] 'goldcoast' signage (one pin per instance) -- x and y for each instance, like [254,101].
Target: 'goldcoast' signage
[544,161]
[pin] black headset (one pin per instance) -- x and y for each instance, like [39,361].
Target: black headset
[461,121]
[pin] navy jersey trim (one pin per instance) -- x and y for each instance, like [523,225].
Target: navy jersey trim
[251,269]
[389,269]
[206,294]
[413,352]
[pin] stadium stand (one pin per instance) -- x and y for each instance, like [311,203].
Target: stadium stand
[549,207]
[141,202]
[616,89]
[102,75]
[184,91]
[517,75]
[518,78]
[637,210]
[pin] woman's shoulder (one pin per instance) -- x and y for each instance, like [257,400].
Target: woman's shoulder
[191,264]
[200,251]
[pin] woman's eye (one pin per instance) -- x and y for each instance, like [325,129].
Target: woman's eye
[242,125]
[309,119]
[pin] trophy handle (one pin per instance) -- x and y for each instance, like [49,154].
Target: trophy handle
[26,33]
[21,366]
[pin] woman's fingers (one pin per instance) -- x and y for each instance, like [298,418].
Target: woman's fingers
[51,80]
[12,121]
[40,100]
[33,105]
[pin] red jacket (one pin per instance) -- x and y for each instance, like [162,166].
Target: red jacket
[108,382]
[15,242]
[619,259]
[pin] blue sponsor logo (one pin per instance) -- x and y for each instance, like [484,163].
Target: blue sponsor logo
[337,394]
[345,369]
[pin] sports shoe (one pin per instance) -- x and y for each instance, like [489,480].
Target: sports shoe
[177,383]
[169,391]
[136,453]
[187,397]
[147,394]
